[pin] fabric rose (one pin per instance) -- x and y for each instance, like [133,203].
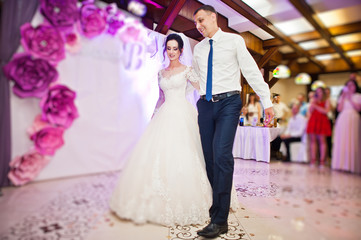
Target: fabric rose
[72,41]
[25,168]
[115,19]
[31,76]
[48,140]
[37,125]
[92,20]
[132,32]
[43,41]
[60,13]
[58,106]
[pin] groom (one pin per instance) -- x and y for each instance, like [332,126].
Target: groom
[218,58]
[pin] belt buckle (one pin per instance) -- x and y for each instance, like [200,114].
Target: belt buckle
[215,100]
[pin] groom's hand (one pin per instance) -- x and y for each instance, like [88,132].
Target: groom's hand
[268,112]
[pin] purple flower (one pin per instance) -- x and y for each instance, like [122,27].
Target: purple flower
[43,41]
[60,13]
[115,18]
[92,20]
[48,140]
[31,76]
[58,106]
[25,168]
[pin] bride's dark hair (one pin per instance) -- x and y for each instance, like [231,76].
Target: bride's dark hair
[173,36]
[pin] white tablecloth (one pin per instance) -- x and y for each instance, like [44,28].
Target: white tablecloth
[254,142]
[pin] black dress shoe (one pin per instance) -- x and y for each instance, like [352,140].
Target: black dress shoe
[213,230]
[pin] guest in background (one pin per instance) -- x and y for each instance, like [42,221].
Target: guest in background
[346,154]
[318,126]
[281,111]
[295,129]
[331,118]
[311,95]
[254,109]
[302,104]
[280,108]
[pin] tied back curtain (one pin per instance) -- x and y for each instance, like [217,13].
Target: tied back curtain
[14,14]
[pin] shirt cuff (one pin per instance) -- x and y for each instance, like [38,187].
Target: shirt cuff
[266,103]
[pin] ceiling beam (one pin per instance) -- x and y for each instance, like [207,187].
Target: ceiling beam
[289,56]
[334,31]
[275,42]
[246,11]
[351,46]
[304,37]
[312,18]
[320,51]
[345,29]
[326,50]
[272,82]
[266,57]
[169,16]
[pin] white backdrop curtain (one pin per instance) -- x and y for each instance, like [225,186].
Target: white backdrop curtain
[114,103]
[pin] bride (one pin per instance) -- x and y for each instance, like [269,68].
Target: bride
[165,179]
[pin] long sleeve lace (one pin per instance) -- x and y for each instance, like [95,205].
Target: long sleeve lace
[192,75]
[161,98]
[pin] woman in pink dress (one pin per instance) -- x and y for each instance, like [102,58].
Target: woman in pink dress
[346,153]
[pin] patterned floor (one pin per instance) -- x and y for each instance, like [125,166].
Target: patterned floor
[278,202]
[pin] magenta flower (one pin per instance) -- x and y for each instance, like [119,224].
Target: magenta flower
[25,168]
[48,140]
[60,13]
[115,18]
[92,20]
[58,106]
[43,41]
[31,76]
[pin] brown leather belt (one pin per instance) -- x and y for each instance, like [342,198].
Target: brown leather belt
[220,96]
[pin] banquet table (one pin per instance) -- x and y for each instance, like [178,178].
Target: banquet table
[254,142]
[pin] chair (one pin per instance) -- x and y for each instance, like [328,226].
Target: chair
[298,150]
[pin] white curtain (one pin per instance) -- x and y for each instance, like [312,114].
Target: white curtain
[115,103]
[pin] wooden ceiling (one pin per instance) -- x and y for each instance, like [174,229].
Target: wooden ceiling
[177,15]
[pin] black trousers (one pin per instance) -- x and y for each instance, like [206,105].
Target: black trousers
[217,125]
[287,142]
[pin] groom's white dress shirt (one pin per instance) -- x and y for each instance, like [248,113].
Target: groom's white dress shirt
[230,55]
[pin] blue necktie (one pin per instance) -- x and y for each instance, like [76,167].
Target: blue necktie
[209,72]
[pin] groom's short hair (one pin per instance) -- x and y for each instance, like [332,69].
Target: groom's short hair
[208,8]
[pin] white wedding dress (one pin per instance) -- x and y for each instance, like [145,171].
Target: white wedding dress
[164,180]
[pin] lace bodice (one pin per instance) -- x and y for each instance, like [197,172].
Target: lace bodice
[175,84]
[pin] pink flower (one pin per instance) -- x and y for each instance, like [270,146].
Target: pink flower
[31,76]
[130,33]
[43,41]
[38,124]
[48,140]
[92,20]
[25,168]
[58,106]
[72,42]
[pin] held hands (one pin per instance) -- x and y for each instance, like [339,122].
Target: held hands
[269,114]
